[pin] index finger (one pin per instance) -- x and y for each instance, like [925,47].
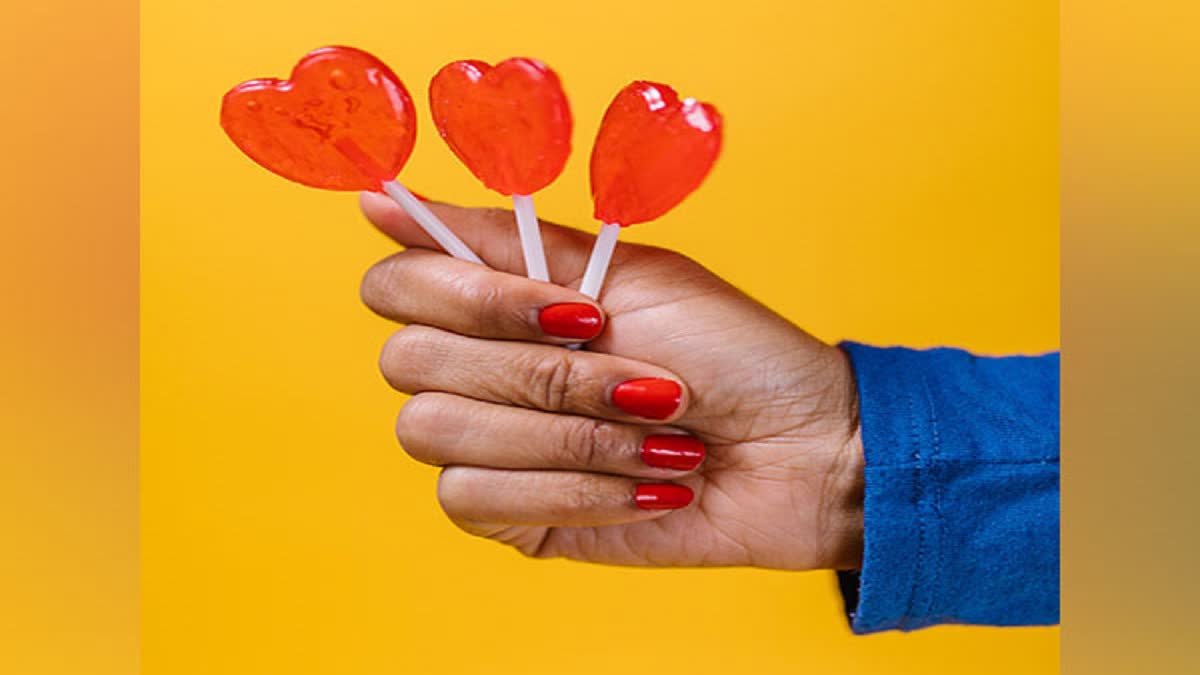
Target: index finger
[422,287]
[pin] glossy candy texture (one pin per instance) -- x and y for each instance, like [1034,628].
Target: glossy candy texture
[652,151]
[510,124]
[343,121]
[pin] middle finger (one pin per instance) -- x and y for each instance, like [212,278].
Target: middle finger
[419,358]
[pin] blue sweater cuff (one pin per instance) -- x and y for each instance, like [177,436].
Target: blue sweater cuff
[888,592]
[961,499]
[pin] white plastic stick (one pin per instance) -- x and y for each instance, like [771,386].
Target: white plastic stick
[531,238]
[430,223]
[597,267]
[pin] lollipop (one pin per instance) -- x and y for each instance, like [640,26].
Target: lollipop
[343,121]
[652,151]
[511,125]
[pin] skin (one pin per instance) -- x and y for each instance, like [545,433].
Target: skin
[536,456]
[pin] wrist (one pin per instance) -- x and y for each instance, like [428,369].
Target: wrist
[842,531]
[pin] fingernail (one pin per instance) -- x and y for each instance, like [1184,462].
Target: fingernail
[649,397]
[672,451]
[662,496]
[574,320]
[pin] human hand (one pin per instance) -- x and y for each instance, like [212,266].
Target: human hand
[544,448]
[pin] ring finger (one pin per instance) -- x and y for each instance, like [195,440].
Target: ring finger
[444,429]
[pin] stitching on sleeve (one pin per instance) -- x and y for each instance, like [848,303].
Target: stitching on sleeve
[935,583]
[907,619]
[952,461]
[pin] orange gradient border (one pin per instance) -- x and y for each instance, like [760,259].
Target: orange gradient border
[68,338]
[1131,242]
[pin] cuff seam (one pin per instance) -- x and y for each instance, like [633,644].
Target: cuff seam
[906,620]
[939,523]
[950,461]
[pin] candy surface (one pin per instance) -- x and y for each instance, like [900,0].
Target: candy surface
[652,151]
[510,124]
[342,121]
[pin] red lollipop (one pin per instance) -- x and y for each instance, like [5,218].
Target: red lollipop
[652,151]
[342,121]
[511,125]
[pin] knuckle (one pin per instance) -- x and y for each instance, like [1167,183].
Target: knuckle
[377,284]
[551,381]
[584,497]
[681,263]
[419,416]
[389,359]
[665,255]
[404,358]
[590,442]
[672,261]
[476,289]
[453,491]
[462,493]
[484,301]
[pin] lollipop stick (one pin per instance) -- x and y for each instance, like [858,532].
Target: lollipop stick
[531,238]
[597,267]
[430,223]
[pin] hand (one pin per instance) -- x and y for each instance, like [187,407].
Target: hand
[547,450]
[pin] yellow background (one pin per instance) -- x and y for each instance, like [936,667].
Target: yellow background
[889,175]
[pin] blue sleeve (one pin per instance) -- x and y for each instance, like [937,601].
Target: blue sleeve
[962,489]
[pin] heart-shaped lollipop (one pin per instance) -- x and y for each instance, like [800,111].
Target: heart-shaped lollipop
[342,121]
[337,98]
[653,149]
[511,125]
[651,152]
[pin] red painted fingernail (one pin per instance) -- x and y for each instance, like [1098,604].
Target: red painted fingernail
[649,397]
[673,451]
[662,496]
[574,320]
